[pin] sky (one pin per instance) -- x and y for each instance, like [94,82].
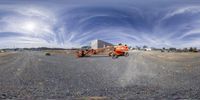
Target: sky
[75,23]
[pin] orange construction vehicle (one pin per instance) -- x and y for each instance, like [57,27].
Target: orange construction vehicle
[114,51]
[120,50]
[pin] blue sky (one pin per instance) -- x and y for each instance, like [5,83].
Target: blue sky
[73,23]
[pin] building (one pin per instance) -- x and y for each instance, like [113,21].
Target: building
[99,44]
[147,49]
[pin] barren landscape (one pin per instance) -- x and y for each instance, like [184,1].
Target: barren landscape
[143,75]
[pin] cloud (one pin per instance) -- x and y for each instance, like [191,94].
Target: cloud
[78,23]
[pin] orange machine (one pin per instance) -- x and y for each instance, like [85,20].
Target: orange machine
[120,50]
[84,53]
[113,51]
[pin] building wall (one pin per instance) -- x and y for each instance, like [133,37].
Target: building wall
[99,44]
[94,44]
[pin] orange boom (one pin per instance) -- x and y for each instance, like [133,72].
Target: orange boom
[84,53]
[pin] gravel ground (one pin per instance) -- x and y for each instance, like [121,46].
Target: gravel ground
[31,75]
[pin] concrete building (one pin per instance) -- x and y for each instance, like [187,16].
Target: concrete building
[99,44]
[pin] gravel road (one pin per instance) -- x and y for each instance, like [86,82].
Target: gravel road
[31,75]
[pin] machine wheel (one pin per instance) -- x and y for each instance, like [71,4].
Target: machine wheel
[114,56]
[126,54]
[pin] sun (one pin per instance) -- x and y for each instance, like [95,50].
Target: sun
[29,26]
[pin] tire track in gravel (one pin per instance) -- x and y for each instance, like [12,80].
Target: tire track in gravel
[15,81]
[12,71]
[7,58]
[28,61]
[7,70]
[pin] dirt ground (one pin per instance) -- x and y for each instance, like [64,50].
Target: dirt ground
[6,54]
[30,75]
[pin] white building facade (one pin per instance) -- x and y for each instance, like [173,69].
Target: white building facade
[99,44]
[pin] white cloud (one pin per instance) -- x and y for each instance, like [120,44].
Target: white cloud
[181,10]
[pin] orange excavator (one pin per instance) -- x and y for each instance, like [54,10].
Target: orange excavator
[114,52]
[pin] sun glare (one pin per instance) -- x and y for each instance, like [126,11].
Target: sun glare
[29,26]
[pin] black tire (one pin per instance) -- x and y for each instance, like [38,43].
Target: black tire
[126,54]
[114,56]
